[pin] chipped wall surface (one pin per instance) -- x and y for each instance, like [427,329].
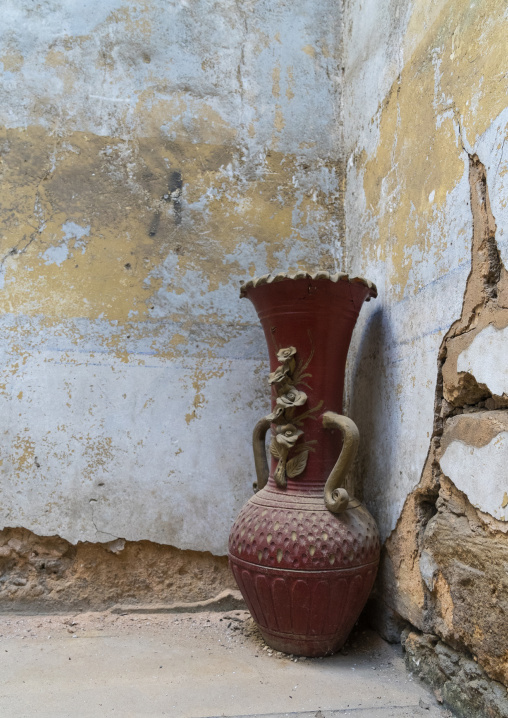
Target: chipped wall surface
[50,575]
[485,359]
[425,116]
[153,155]
[474,457]
[420,94]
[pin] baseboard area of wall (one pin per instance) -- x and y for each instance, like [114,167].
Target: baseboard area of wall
[47,574]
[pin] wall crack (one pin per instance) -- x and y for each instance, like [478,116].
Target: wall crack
[111,537]
[459,541]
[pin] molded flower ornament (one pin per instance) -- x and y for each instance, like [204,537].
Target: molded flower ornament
[279,375]
[276,413]
[287,435]
[284,355]
[292,398]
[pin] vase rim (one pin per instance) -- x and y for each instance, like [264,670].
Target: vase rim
[302,274]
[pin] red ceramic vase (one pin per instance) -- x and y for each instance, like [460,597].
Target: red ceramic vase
[303,551]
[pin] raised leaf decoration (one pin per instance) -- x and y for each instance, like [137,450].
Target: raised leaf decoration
[297,464]
[274,449]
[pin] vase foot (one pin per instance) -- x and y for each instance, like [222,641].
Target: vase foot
[306,613]
[310,647]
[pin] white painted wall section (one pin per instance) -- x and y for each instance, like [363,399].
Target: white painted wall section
[480,473]
[486,358]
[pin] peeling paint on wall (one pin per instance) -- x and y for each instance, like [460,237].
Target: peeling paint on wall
[152,157]
[480,473]
[485,359]
[407,205]
[425,128]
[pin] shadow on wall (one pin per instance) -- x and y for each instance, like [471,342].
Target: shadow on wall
[371,407]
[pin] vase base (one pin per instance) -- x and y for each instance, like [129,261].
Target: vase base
[310,647]
[306,613]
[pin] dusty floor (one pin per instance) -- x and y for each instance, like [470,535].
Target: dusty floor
[192,666]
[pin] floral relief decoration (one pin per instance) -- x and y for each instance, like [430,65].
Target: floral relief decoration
[292,454]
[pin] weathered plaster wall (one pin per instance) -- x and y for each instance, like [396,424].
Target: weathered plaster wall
[153,154]
[51,575]
[426,210]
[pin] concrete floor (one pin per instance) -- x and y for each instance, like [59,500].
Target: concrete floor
[202,665]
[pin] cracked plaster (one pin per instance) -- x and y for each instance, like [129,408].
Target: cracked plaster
[251,117]
[425,123]
[131,373]
[480,473]
[408,216]
[485,359]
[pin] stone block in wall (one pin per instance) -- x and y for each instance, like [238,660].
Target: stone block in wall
[459,681]
[466,583]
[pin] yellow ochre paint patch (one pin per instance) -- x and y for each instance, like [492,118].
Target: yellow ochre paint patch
[12,61]
[201,376]
[448,77]
[115,192]
[276,81]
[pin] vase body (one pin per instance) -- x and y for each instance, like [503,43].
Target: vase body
[305,567]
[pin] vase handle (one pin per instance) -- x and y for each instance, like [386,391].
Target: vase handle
[336,496]
[259,448]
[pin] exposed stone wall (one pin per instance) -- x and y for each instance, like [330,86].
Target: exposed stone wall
[153,155]
[51,575]
[425,129]
[457,679]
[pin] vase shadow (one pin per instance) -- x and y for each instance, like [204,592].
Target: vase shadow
[372,395]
